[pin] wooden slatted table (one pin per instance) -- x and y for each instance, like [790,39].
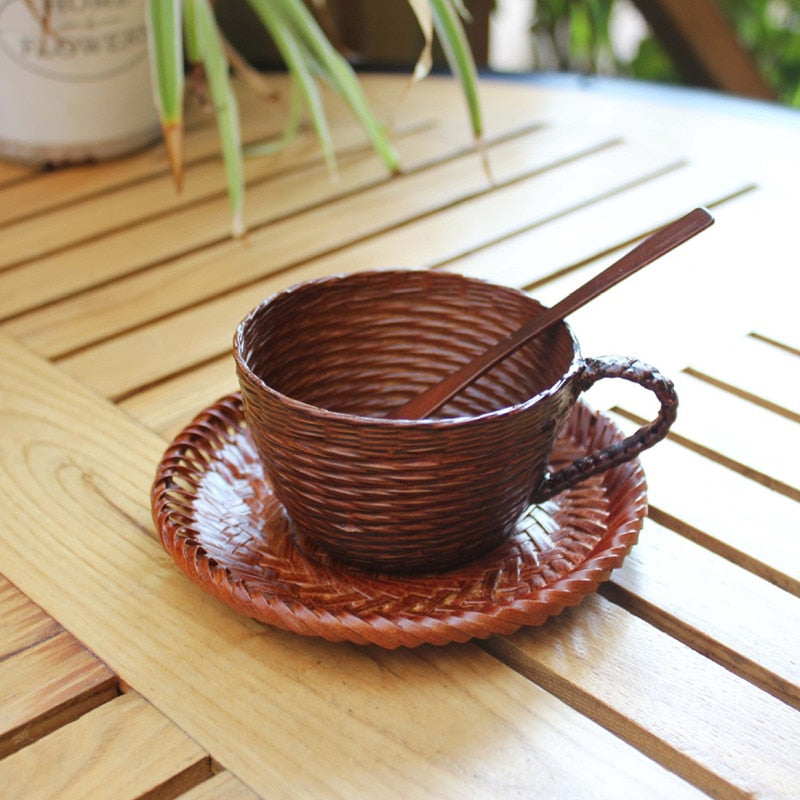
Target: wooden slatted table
[679,678]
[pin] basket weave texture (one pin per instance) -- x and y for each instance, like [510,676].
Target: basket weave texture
[321,364]
[227,531]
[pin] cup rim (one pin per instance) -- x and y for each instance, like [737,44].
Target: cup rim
[324,413]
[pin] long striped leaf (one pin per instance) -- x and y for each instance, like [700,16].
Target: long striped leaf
[164,32]
[340,75]
[212,56]
[459,56]
[296,57]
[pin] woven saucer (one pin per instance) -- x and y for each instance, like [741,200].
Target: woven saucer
[224,528]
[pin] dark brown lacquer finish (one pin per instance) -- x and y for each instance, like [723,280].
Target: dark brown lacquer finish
[652,248]
[222,524]
[321,362]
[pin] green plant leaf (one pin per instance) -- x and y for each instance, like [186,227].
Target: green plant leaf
[335,69]
[273,145]
[163,19]
[298,60]
[212,56]
[459,57]
[190,33]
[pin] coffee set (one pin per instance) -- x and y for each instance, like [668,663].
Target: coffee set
[409,459]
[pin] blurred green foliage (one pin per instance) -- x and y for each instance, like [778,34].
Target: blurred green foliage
[576,35]
[770,30]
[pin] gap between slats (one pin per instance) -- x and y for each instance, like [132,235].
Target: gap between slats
[259,121]
[665,581]
[745,395]
[209,193]
[755,530]
[356,241]
[54,190]
[303,157]
[637,681]
[700,492]
[775,343]
[83,183]
[565,215]
[52,690]
[47,678]
[92,756]
[365,178]
[742,468]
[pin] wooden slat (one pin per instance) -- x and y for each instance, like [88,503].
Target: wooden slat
[756,370]
[22,623]
[668,699]
[220,787]
[693,301]
[92,757]
[781,329]
[190,279]
[167,407]
[45,191]
[533,256]
[715,607]
[332,719]
[724,511]
[743,435]
[137,235]
[47,685]
[133,206]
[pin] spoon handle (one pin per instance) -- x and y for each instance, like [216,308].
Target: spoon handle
[647,251]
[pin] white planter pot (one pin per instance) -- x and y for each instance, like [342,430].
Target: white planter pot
[78,88]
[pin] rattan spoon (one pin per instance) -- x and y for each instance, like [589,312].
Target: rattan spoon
[655,246]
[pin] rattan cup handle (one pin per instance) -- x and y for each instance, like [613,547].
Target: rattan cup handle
[629,369]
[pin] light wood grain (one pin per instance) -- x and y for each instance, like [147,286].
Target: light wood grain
[758,371]
[686,658]
[22,623]
[220,787]
[539,254]
[46,685]
[295,202]
[695,301]
[745,436]
[336,721]
[452,231]
[92,757]
[145,207]
[664,697]
[167,407]
[724,511]
[717,608]
[277,187]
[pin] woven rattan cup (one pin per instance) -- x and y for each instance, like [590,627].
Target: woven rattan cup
[321,363]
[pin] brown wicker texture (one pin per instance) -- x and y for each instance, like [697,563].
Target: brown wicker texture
[226,530]
[320,365]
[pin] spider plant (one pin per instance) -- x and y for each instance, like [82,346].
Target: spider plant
[182,31]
